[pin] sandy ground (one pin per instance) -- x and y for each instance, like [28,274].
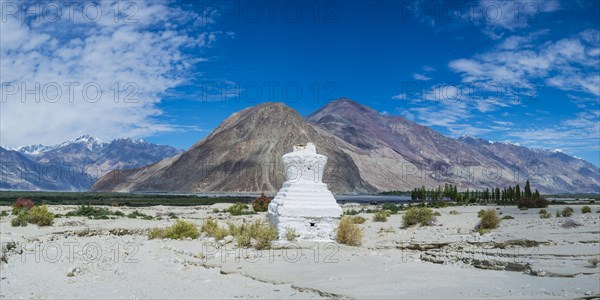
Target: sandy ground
[526,257]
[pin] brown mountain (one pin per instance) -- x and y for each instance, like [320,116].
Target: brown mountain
[242,154]
[393,153]
[367,152]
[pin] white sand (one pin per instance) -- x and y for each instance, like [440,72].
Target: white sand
[387,265]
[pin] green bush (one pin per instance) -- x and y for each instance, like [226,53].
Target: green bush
[136,214]
[40,216]
[351,212]
[437,213]
[349,233]
[21,219]
[567,211]
[533,203]
[417,215]
[358,220]
[508,218]
[4,213]
[88,211]
[380,216]
[586,209]
[542,212]
[180,230]
[393,208]
[488,220]
[239,209]
[119,213]
[215,210]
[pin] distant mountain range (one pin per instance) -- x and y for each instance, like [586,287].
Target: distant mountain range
[368,152]
[74,164]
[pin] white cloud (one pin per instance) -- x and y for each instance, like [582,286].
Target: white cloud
[144,59]
[565,64]
[418,76]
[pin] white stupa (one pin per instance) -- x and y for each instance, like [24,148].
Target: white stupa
[304,203]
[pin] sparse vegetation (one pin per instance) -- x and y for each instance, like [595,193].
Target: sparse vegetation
[391,207]
[594,261]
[488,220]
[215,210]
[40,216]
[212,228]
[586,209]
[508,218]
[3,213]
[351,212]
[567,211]
[93,212]
[437,213]
[544,214]
[261,203]
[358,220]
[417,215]
[349,233]
[239,209]
[380,216]
[20,220]
[264,233]
[136,215]
[454,212]
[180,230]
[22,204]
[290,234]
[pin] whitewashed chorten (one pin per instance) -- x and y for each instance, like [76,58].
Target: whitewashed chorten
[304,203]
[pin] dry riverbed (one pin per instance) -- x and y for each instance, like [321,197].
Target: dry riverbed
[526,257]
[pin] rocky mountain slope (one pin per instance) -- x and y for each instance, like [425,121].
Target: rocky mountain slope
[17,172]
[368,152]
[75,164]
[242,154]
[393,153]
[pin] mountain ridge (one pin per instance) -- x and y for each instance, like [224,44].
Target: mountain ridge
[375,152]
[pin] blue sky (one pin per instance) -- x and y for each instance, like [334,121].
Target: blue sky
[526,72]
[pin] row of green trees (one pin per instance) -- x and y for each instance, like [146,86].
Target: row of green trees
[505,196]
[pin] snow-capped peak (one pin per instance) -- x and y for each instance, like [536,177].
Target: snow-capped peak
[85,140]
[34,149]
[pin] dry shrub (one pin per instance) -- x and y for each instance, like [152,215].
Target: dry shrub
[290,234]
[586,209]
[417,215]
[488,220]
[358,220]
[178,231]
[380,216]
[349,233]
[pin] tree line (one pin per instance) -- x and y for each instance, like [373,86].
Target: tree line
[505,196]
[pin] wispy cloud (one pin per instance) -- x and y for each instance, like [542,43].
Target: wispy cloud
[102,76]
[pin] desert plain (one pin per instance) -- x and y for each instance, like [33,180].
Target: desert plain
[524,258]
